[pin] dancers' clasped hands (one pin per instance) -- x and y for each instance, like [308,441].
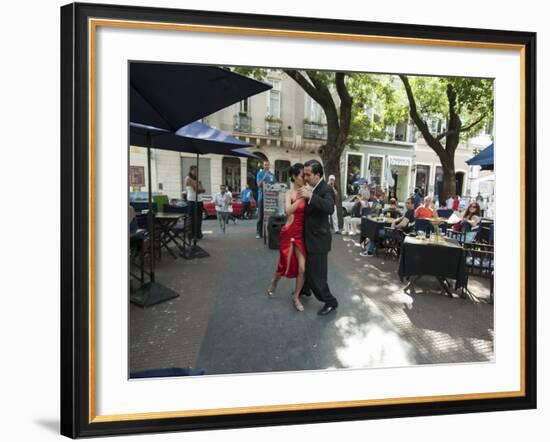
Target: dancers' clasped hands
[305,192]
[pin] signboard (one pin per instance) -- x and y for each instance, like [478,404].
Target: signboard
[271,202]
[137,176]
[399,161]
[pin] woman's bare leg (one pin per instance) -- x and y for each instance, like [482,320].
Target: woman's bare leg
[300,279]
[273,287]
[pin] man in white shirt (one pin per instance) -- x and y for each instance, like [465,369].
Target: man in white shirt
[222,201]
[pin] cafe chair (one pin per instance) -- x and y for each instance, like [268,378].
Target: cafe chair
[182,229]
[138,253]
[486,234]
[423,225]
[479,259]
[366,211]
[444,213]
[393,239]
[466,235]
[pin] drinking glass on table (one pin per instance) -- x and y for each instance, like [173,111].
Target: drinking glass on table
[421,234]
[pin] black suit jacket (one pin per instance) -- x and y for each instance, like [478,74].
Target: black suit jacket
[316,226]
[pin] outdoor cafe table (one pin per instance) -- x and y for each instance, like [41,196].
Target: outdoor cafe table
[371,226]
[166,221]
[443,258]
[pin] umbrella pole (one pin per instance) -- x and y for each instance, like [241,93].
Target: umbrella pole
[150,211]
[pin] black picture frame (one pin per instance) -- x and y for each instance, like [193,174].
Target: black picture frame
[77,418]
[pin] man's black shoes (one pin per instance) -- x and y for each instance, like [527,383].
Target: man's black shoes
[326,309]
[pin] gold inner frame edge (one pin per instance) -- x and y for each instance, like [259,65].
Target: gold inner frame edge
[93,23]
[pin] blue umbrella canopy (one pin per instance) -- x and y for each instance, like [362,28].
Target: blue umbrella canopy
[197,138]
[170,96]
[485,158]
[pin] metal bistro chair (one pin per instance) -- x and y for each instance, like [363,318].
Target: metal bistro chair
[423,225]
[138,247]
[480,261]
[393,239]
[466,235]
[444,213]
[182,229]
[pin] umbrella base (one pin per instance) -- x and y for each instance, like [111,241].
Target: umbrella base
[152,293]
[193,252]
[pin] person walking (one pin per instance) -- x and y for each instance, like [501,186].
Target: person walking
[222,201]
[263,177]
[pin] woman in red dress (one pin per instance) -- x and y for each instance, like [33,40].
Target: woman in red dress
[292,256]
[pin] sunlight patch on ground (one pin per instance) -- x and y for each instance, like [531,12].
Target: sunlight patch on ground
[370,345]
[400,297]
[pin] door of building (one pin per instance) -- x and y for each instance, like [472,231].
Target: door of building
[231,173]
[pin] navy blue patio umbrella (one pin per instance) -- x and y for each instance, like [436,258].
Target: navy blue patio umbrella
[485,158]
[168,96]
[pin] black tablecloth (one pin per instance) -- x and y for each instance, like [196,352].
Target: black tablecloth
[370,227]
[445,260]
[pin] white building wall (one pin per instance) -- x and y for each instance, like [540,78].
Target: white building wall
[168,168]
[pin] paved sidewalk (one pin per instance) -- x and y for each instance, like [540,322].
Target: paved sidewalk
[224,322]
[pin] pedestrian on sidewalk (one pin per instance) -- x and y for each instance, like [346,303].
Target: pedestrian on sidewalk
[222,201]
[334,217]
[246,197]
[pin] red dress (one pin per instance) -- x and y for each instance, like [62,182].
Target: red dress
[292,236]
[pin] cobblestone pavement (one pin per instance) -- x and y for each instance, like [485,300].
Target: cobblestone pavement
[223,321]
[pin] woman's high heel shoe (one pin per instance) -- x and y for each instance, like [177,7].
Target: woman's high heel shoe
[297,304]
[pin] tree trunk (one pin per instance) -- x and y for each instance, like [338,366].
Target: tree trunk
[449,183]
[331,164]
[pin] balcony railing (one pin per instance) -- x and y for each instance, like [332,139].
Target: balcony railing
[316,131]
[242,123]
[273,128]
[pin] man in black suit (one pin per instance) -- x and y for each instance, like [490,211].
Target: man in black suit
[320,204]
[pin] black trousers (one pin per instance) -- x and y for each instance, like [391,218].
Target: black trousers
[196,220]
[316,278]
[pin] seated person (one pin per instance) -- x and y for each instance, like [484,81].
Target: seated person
[425,210]
[353,223]
[392,211]
[406,221]
[402,223]
[470,221]
[177,203]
